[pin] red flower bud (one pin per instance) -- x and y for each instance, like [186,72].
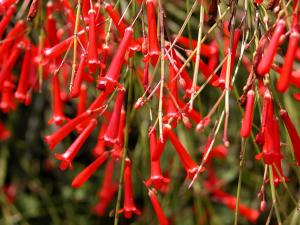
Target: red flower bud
[265,64]
[248,116]
[154,49]
[287,67]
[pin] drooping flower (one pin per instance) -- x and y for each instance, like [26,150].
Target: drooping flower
[157,208]
[67,157]
[128,207]
[292,133]
[156,178]
[188,163]
[58,116]
[85,174]
[265,64]
[111,134]
[110,80]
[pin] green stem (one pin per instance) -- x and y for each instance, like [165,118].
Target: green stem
[273,194]
[242,160]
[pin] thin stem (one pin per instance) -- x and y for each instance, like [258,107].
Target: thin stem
[75,43]
[162,70]
[273,194]
[196,70]
[242,161]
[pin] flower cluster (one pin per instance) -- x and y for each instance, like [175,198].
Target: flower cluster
[95,49]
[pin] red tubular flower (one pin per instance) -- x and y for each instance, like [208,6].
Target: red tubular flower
[84,175]
[6,19]
[121,128]
[157,208]
[230,201]
[278,176]
[23,83]
[189,165]
[81,106]
[248,116]
[7,100]
[156,179]
[292,133]
[58,49]
[4,133]
[129,206]
[268,152]
[108,189]
[100,145]
[185,80]
[265,64]
[232,52]
[51,30]
[194,115]
[14,34]
[112,76]
[61,133]
[172,114]
[7,3]
[68,156]
[116,18]
[154,49]
[69,12]
[287,67]
[160,146]
[85,6]
[104,53]
[98,102]
[58,116]
[267,102]
[111,134]
[75,89]
[107,180]
[92,50]
[7,67]
[207,50]
[207,72]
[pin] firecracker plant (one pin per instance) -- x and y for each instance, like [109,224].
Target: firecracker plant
[183,112]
